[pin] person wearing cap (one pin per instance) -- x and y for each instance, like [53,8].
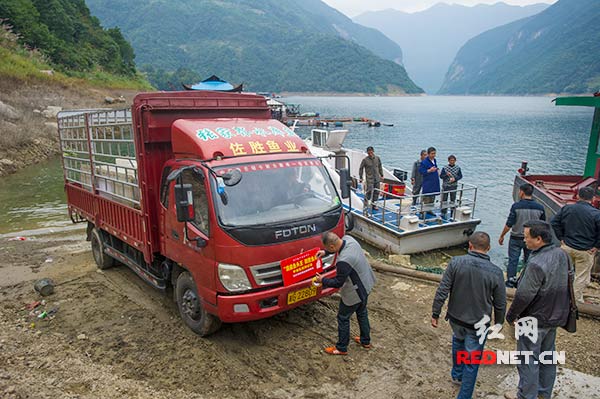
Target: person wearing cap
[355,279]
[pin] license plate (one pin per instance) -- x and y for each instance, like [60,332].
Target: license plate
[300,295]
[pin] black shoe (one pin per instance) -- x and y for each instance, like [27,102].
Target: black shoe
[456,381]
[510,284]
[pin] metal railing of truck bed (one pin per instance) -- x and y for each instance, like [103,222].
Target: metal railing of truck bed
[99,153]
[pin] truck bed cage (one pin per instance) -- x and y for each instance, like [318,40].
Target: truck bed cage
[110,167]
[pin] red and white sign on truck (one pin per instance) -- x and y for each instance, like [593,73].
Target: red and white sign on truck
[204,192]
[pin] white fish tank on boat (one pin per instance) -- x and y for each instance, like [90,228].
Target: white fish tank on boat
[397,222]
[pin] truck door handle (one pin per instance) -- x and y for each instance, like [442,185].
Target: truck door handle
[174,234]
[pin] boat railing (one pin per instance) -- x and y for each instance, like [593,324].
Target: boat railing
[426,207]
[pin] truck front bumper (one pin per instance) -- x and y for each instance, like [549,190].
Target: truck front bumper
[263,304]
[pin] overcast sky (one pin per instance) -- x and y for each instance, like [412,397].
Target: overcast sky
[354,7]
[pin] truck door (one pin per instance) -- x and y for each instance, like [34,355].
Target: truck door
[198,260]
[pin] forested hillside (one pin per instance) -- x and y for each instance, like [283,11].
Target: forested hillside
[556,51]
[68,36]
[266,44]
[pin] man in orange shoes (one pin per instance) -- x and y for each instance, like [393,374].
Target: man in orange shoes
[356,279]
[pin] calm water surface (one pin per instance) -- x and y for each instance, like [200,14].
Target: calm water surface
[490,136]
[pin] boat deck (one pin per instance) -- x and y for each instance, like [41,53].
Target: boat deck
[387,214]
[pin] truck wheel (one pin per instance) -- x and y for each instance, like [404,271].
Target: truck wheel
[190,307]
[102,260]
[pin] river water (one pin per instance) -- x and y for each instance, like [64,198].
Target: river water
[490,136]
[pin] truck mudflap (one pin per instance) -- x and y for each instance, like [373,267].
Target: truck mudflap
[263,304]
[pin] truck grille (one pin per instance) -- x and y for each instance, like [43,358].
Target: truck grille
[270,273]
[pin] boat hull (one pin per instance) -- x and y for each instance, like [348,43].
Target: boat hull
[552,191]
[411,242]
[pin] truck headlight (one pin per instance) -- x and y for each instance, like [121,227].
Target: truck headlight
[233,278]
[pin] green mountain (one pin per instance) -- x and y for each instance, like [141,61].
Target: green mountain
[274,45]
[556,51]
[68,36]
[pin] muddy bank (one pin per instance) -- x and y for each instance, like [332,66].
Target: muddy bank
[27,136]
[112,336]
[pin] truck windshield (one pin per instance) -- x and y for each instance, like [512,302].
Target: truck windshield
[275,192]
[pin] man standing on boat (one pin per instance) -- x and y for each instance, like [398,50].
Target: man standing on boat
[431,176]
[577,226]
[475,286]
[450,176]
[373,170]
[416,178]
[520,212]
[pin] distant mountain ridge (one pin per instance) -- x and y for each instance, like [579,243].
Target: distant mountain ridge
[330,20]
[556,51]
[430,39]
[274,45]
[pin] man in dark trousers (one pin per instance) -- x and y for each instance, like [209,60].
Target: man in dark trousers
[373,170]
[356,279]
[431,176]
[577,226]
[416,178]
[475,286]
[520,212]
[543,293]
[450,176]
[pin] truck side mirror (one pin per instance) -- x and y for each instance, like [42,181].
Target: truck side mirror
[345,182]
[184,202]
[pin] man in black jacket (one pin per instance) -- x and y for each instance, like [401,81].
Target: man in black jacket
[577,226]
[543,294]
[475,286]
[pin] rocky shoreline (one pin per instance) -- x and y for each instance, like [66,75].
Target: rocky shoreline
[28,128]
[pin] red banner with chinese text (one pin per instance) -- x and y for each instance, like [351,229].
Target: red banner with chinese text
[300,267]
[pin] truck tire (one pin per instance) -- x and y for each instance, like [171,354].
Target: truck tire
[190,307]
[102,260]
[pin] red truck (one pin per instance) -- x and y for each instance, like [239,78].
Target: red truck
[204,193]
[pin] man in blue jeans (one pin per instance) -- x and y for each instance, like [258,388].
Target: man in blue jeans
[521,212]
[356,279]
[543,293]
[476,286]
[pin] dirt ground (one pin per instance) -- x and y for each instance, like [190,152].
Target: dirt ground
[112,336]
